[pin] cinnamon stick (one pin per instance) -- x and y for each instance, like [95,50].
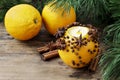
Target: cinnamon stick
[52,46]
[43,49]
[94,63]
[50,50]
[49,55]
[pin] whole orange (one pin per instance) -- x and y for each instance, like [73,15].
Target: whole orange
[80,47]
[23,21]
[54,19]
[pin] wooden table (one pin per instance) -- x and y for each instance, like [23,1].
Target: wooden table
[19,60]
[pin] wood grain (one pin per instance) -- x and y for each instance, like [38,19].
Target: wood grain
[19,60]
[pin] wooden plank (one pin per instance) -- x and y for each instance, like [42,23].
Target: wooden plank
[19,60]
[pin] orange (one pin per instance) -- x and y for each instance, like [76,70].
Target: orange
[54,19]
[23,21]
[74,55]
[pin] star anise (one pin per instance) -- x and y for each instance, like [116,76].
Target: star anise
[61,43]
[60,32]
[79,40]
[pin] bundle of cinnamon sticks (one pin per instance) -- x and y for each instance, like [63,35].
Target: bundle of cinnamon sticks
[49,51]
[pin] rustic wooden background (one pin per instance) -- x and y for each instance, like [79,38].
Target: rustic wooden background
[19,60]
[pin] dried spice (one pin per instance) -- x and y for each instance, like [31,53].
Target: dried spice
[60,32]
[50,50]
[49,55]
[79,41]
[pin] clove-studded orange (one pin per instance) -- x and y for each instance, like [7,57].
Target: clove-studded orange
[81,46]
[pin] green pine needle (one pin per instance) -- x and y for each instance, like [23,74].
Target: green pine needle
[112,33]
[115,9]
[87,11]
[95,12]
[65,4]
[110,63]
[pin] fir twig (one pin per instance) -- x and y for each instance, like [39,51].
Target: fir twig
[88,11]
[110,63]
[110,60]
[112,33]
[115,9]
[93,11]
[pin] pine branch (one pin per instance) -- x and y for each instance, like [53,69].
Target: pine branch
[112,33]
[65,4]
[88,11]
[115,9]
[110,60]
[110,63]
[93,11]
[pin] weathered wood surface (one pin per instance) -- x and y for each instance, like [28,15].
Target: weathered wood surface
[19,60]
